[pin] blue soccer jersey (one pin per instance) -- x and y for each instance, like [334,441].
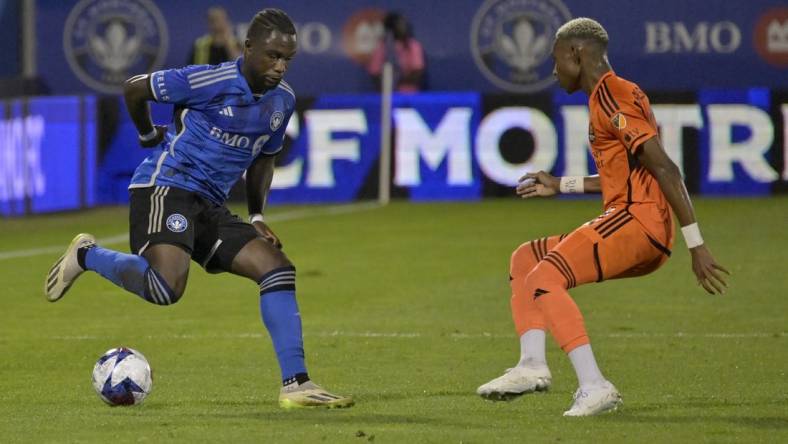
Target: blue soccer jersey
[219,128]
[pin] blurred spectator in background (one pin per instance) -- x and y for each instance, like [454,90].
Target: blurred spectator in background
[404,52]
[220,44]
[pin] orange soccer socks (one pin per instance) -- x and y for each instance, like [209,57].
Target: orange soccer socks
[528,318]
[540,300]
[563,317]
[548,293]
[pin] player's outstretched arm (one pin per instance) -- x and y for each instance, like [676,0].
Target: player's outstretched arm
[137,94]
[656,161]
[543,184]
[258,182]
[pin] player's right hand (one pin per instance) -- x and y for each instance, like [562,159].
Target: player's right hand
[708,271]
[161,130]
[539,184]
[267,233]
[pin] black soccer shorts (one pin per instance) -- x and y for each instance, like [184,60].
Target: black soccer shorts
[207,231]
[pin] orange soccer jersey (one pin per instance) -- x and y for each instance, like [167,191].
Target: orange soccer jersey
[620,121]
[632,237]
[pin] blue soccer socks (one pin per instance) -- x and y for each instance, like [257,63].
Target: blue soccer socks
[279,310]
[279,279]
[128,271]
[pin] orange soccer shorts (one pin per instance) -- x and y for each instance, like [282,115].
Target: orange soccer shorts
[612,246]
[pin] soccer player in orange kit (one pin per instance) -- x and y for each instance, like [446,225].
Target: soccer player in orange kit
[640,186]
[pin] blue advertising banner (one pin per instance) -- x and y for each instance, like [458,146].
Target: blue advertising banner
[736,143]
[491,46]
[433,139]
[450,146]
[346,128]
[48,152]
[62,153]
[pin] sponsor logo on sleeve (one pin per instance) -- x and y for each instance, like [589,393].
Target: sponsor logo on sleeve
[619,121]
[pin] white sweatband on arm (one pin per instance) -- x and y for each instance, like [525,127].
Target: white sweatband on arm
[692,235]
[150,136]
[572,184]
[257,217]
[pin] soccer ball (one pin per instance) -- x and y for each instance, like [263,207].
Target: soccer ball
[122,376]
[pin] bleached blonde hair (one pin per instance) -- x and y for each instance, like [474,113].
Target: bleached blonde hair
[583,28]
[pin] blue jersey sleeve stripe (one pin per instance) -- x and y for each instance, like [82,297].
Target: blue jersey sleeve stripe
[152,87]
[287,89]
[213,80]
[287,86]
[202,75]
[202,70]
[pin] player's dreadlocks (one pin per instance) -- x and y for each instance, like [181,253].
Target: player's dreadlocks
[268,20]
[583,28]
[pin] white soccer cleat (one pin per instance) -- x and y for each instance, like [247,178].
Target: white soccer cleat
[66,270]
[515,382]
[311,395]
[595,400]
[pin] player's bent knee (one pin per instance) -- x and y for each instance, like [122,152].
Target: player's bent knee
[522,261]
[159,291]
[280,260]
[272,261]
[542,277]
[257,258]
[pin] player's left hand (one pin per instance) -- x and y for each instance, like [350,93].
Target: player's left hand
[267,234]
[539,184]
[707,270]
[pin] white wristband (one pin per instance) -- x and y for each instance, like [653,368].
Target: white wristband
[257,217]
[572,184]
[692,235]
[150,136]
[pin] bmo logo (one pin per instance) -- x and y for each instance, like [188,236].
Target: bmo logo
[770,37]
[700,38]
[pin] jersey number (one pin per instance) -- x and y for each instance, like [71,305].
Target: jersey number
[258,144]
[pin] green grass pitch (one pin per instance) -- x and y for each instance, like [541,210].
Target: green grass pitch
[407,308]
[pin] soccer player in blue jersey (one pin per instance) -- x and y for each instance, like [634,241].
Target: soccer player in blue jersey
[229,118]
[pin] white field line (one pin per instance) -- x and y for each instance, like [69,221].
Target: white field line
[278,217]
[414,335]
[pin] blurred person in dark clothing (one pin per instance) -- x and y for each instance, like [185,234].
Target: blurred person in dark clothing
[405,53]
[219,44]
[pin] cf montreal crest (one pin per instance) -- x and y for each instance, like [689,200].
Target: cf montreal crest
[276,120]
[511,41]
[177,223]
[107,41]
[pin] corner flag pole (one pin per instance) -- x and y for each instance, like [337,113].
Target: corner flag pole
[384,184]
